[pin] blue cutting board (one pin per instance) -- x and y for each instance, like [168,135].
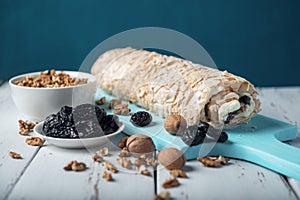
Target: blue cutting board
[259,141]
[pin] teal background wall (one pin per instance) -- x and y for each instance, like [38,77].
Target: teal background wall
[257,39]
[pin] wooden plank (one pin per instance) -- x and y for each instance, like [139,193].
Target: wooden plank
[282,103]
[238,180]
[46,177]
[10,140]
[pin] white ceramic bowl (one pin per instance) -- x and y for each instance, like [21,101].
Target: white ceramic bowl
[37,103]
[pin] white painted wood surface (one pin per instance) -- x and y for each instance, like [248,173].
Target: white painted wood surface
[40,174]
[10,140]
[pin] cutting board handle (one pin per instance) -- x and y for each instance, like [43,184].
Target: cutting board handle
[268,152]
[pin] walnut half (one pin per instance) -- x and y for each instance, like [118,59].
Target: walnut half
[34,141]
[178,173]
[213,161]
[75,166]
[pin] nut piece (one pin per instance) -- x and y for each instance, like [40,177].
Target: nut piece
[170,183]
[114,102]
[75,166]
[122,142]
[26,126]
[125,162]
[178,173]
[124,153]
[140,144]
[97,157]
[110,167]
[107,175]
[144,171]
[162,196]
[104,151]
[171,158]
[34,141]
[100,101]
[213,161]
[121,109]
[14,155]
[174,124]
[152,162]
[139,161]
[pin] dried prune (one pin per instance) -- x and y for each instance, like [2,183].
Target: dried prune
[68,132]
[66,113]
[245,99]
[88,128]
[88,111]
[141,118]
[203,126]
[229,118]
[218,135]
[193,135]
[223,137]
[51,122]
[110,124]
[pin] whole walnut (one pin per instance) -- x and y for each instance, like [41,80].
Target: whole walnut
[140,144]
[171,158]
[174,124]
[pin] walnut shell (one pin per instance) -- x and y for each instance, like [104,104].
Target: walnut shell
[171,158]
[140,144]
[174,123]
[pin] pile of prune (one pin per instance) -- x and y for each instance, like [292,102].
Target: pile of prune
[194,135]
[83,121]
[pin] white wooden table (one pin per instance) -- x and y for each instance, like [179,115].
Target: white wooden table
[40,174]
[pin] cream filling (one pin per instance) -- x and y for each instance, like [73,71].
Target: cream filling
[227,108]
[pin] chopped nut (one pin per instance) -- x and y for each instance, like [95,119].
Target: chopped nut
[14,155]
[138,162]
[68,167]
[152,162]
[104,151]
[125,162]
[34,141]
[124,153]
[101,101]
[144,171]
[97,157]
[178,173]
[110,167]
[78,166]
[162,196]
[50,79]
[114,102]
[223,160]
[169,183]
[107,175]
[213,161]
[122,142]
[174,123]
[143,156]
[75,166]
[121,109]
[26,126]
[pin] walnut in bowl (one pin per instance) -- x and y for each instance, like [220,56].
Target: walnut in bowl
[38,94]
